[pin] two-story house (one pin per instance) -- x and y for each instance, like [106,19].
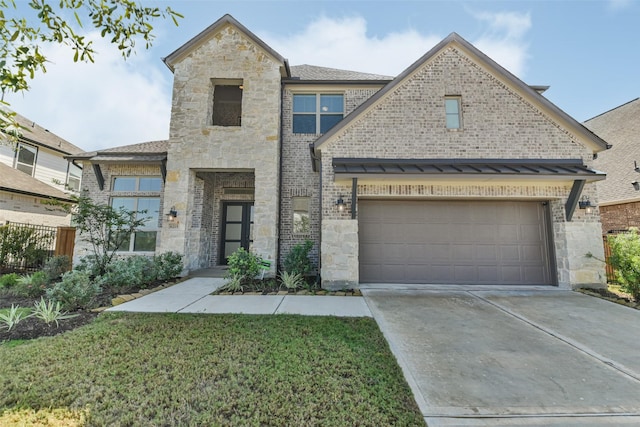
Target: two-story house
[453,172]
[33,171]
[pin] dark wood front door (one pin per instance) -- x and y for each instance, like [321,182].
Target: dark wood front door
[237,228]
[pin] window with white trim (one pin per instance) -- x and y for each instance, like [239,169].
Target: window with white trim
[453,112]
[146,206]
[25,159]
[74,175]
[316,113]
[301,223]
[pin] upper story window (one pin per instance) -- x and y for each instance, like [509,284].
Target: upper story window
[74,174]
[137,183]
[25,159]
[453,112]
[227,102]
[317,113]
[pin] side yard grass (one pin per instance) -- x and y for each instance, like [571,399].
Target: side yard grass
[226,370]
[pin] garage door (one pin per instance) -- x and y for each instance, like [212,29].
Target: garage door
[453,242]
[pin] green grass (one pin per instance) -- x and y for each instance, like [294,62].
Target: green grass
[226,370]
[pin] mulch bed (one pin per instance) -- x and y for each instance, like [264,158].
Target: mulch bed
[618,298]
[31,327]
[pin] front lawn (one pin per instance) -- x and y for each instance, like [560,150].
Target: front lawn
[235,370]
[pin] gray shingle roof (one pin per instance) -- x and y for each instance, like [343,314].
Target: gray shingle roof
[37,134]
[144,149]
[620,127]
[14,181]
[530,168]
[312,72]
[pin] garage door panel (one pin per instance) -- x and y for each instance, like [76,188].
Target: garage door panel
[453,242]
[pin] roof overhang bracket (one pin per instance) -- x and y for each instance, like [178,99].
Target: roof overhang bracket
[574,196]
[354,197]
[99,177]
[163,170]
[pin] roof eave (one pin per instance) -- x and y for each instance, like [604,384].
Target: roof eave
[30,193]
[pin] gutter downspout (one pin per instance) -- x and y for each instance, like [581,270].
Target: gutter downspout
[280,168]
[315,160]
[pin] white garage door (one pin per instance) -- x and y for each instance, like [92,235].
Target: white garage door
[456,242]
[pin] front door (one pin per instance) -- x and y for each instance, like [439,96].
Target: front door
[237,228]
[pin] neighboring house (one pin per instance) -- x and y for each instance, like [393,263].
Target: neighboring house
[453,172]
[32,172]
[619,194]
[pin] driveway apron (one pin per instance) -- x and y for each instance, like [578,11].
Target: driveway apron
[514,357]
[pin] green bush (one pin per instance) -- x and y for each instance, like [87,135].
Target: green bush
[32,285]
[297,260]
[243,265]
[89,265]
[8,281]
[75,291]
[625,259]
[168,265]
[56,266]
[127,274]
[23,245]
[292,280]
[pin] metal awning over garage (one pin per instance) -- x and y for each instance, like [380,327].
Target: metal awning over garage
[548,169]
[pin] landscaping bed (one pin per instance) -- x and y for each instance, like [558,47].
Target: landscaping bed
[614,294]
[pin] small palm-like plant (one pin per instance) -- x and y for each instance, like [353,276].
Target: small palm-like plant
[291,280]
[234,284]
[50,311]
[13,316]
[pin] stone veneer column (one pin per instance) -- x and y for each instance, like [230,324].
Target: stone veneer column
[265,221]
[573,240]
[339,252]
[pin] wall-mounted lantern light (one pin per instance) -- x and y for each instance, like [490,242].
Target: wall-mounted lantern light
[173,214]
[340,204]
[636,185]
[585,203]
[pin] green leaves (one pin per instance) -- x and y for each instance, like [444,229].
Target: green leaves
[625,259]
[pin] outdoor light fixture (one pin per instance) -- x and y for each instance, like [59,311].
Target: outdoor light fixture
[340,204]
[585,203]
[635,184]
[173,214]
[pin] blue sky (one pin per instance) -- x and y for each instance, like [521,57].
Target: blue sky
[588,52]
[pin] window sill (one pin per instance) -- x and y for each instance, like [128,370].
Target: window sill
[455,129]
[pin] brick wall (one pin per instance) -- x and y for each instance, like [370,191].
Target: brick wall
[409,122]
[620,217]
[31,210]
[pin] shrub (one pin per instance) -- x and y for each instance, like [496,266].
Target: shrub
[8,281]
[168,265]
[32,285]
[75,291]
[89,265]
[233,284]
[625,259]
[56,266]
[243,265]
[292,280]
[297,260]
[127,274]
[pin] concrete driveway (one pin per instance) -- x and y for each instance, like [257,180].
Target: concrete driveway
[525,357]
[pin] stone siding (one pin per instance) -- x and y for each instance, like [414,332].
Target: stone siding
[340,268]
[497,123]
[197,146]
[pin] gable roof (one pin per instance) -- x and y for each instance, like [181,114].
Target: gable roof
[532,94]
[621,128]
[15,181]
[150,151]
[36,134]
[313,73]
[208,32]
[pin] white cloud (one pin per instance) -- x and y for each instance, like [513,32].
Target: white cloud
[503,39]
[343,43]
[99,105]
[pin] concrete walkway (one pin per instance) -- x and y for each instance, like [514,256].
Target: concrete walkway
[194,296]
